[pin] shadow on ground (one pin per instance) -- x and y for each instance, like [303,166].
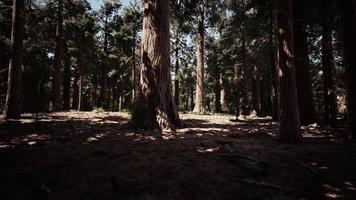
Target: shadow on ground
[92,156]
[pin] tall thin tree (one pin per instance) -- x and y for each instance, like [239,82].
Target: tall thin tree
[58,58]
[330,105]
[199,95]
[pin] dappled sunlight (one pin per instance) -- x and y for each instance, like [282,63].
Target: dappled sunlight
[208,150]
[96,137]
[242,154]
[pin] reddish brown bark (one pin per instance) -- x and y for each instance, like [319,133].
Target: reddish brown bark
[305,93]
[349,17]
[13,106]
[155,107]
[274,64]
[199,95]
[289,128]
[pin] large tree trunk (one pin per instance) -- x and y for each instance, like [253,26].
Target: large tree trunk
[349,17]
[289,128]
[330,106]
[155,107]
[66,79]
[57,65]
[274,63]
[199,95]
[306,104]
[12,108]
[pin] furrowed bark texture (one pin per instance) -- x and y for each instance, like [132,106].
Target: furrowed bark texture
[155,107]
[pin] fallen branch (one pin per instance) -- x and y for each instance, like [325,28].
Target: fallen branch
[255,183]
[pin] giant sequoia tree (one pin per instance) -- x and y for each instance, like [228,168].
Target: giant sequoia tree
[12,108]
[305,93]
[289,128]
[155,107]
[349,17]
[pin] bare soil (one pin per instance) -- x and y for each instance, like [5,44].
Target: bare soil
[88,155]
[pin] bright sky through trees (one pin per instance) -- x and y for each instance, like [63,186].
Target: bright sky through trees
[96,3]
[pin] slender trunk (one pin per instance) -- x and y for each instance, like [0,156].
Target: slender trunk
[274,64]
[81,79]
[222,94]
[242,96]
[104,70]
[199,95]
[217,90]
[67,79]
[306,104]
[94,89]
[330,106]
[241,107]
[176,71]
[75,98]
[256,92]
[58,57]
[155,107]
[133,70]
[289,128]
[349,17]
[12,108]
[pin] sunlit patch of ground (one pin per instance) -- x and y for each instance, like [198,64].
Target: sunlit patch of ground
[88,155]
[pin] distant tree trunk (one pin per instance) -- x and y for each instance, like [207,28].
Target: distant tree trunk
[256,92]
[81,79]
[133,70]
[104,70]
[155,107]
[176,71]
[349,17]
[241,80]
[289,128]
[274,64]
[242,96]
[330,106]
[66,79]
[217,90]
[12,108]
[94,90]
[199,95]
[75,98]
[306,104]
[222,94]
[58,57]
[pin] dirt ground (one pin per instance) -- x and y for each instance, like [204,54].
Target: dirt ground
[87,155]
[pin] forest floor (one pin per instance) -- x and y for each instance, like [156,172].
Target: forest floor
[88,155]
